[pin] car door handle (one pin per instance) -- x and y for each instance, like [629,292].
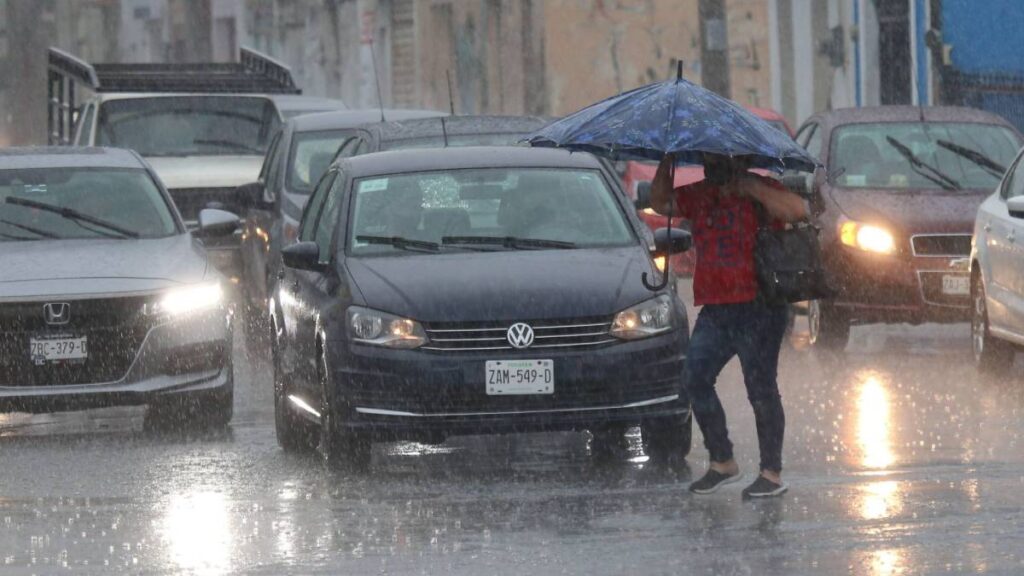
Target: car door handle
[280,274]
[987,227]
[1012,237]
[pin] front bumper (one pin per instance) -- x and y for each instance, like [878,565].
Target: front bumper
[190,356]
[900,288]
[401,394]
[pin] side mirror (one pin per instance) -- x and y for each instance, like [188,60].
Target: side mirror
[251,196]
[1015,206]
[798,183]
[302,256]
[672,241]
[643,195]
[215,222]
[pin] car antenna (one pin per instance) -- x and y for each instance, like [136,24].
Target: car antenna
[376,80]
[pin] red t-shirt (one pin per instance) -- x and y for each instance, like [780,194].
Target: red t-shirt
[724,230]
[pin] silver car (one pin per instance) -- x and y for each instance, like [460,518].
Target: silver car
[105,297]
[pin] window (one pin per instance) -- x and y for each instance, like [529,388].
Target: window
[813,144]
[267,168]
[188,125]
[123,199]
[1014,185]
[85,126]
[574,206]
[311,155]
[328,220]
[307,228]
[948,155]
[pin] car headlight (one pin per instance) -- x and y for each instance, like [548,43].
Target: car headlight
[867,237]
[645,319]
[382,329]
[188,299]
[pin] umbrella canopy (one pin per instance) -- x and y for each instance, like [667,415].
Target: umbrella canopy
[675,116]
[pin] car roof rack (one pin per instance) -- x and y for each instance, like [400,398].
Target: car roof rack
[254,73]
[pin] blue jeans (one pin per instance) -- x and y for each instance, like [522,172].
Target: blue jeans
[753,331]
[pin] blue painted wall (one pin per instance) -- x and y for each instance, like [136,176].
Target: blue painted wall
[986,35]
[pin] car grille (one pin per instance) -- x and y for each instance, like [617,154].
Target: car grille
[115,329]
[942,245]
[191,200]
[478,336]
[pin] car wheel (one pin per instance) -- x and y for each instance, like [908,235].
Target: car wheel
[667,439]
[294,433]
[340,447]
[991,355]
[828,327]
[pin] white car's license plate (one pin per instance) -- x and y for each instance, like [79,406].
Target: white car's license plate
[43,350]
[954,285]
[506,377]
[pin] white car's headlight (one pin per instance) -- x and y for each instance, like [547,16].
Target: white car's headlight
[188,299]
[645,319]
[382,329]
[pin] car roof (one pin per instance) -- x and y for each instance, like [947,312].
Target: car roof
[293,102]
[67,157]
[459,126]
[458,158]
[912,114]
[341,119]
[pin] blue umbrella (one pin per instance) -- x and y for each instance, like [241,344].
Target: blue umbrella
[678,117]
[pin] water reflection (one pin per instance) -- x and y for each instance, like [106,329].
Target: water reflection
[880,500]
[197,532]
[886,562]
[874,422]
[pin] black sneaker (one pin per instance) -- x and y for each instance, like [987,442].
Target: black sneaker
[764,488]
[712,481]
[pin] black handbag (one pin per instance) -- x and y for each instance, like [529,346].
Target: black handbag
[788,262]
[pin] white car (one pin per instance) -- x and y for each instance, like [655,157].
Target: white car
[997,273]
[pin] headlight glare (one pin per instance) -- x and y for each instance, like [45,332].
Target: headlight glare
[867,237]
[188,299]
[382,329]
[645,319]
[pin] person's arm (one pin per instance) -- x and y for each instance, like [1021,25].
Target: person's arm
[662,193]
[780,203]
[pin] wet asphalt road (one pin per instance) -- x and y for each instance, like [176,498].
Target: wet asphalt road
[900,460]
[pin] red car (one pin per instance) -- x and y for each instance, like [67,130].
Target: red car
[634,173]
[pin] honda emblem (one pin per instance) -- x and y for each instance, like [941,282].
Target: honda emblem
[57,313]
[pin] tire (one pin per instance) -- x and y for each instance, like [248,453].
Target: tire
[668,439]
[340,448]
[294,433]
[829,328]
[991,355]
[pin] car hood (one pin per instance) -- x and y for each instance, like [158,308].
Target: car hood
[206,171]
[503,286]
[50,268]
[912,211]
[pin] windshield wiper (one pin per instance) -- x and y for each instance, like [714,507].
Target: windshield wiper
[36,231]
[937,176]
[17,238]
[510,242]
[229,144]
[401,243]
[74,215]
[994,168]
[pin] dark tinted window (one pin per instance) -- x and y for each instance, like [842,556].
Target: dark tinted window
[307,229]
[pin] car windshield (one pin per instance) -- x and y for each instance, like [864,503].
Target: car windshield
[51,203]
[310,157]
[438,141]
[920,155]
[188,125]
[560,206]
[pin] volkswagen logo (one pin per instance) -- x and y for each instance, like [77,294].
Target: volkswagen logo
[59,313]
[520,335]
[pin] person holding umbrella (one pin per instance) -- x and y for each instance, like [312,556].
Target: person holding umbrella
[678,122]
[724,210]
